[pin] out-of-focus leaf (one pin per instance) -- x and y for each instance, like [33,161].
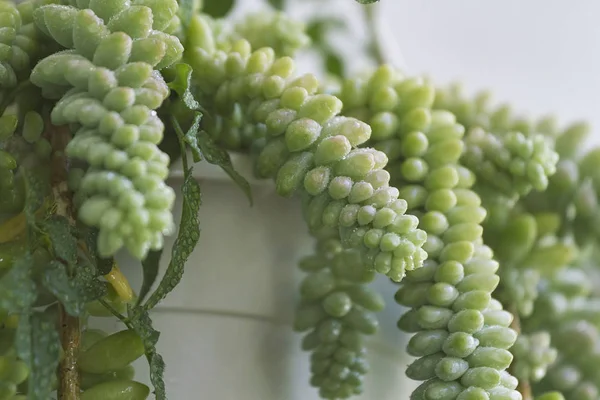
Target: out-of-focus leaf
[218,8]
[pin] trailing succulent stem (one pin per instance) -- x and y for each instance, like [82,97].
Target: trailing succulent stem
[487,221]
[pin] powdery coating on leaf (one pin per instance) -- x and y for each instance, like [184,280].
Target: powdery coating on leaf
[108,85]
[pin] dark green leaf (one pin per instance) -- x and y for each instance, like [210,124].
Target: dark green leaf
[63,241]
[181,83]
[38,345]
[90,237]
[277,4]
[104,266]
[367,1]
[334,64]
[318,28]
[191,138]
[150,267]
[35,188]
[23,337]
[17,289]
[187,238]
[89,287]
[100,266]
[157,370]
[217,8]
[57,281]
[141,323]
[219,156]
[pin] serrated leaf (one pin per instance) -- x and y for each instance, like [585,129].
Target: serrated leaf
[56,280]
[219,156]
[277,4]
[181,84]
[217,8]
[157,371]
[61,236]
[141,323]
[187,238]
[17,289]
[191,138]
[38,345]
[150,268]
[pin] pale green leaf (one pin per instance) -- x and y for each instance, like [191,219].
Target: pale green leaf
[17,289]
[57,281]
[38,345]
[61,236]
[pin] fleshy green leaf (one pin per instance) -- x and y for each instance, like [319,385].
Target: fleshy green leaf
[187,238]
[550,258]
[57,281]
[517,238]
[63,241]
[150,267]
[38,345]
[182,77]
[17,289]
[217,8]
[219,156]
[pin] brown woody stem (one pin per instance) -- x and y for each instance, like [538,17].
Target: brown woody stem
[70,328]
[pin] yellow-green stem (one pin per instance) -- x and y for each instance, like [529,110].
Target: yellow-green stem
[375,47]
[524,386]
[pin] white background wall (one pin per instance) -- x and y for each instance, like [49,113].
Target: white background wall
[542,55]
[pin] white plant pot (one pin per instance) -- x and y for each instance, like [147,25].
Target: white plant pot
[226,330]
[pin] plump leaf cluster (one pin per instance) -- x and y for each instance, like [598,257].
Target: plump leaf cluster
[485,220]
